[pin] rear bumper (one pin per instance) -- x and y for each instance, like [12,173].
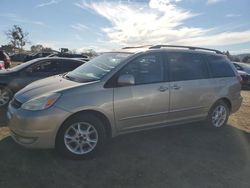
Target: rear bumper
[236,103]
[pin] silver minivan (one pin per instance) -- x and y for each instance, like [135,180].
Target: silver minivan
[119,92]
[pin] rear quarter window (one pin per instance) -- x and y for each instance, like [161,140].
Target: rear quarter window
[220,67]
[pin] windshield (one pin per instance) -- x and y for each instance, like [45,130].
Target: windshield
[98,67]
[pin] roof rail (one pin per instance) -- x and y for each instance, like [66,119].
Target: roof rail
[189,47]
[133,47]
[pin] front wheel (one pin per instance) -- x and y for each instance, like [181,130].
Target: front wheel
[5,96]
[218,115]
[81,137]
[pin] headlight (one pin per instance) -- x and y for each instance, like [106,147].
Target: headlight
[41,102]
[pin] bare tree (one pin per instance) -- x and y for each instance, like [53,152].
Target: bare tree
[18,38]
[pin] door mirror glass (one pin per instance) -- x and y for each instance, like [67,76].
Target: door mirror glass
[126,79]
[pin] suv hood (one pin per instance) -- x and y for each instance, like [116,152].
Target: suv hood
[47,85]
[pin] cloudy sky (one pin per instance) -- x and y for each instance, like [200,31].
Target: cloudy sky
[106,25]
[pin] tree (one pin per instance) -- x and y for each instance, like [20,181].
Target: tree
[18,38]
[246,59]
[228,55]
[90,52]
[47,49]
[8,48]
[37,48]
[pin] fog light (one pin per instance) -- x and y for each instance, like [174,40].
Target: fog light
[24,140]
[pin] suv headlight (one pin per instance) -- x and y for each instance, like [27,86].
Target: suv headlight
[41,102]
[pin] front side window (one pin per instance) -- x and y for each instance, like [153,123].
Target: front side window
[145,69]
[220,67]
[186,66]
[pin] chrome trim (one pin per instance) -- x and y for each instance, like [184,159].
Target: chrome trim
[165,112]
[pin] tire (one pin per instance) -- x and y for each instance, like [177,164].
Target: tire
[75,143]
[218,114]
[5,96]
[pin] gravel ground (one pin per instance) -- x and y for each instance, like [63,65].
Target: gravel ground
[191,155]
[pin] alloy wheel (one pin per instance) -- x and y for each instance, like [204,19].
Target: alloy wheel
[81,138]
[219,116]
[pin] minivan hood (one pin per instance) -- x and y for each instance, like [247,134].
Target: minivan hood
[44,86]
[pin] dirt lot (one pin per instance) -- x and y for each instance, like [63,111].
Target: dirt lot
[190,155]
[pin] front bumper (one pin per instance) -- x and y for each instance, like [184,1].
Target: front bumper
[35,129]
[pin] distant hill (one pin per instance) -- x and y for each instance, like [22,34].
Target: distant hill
[241,56]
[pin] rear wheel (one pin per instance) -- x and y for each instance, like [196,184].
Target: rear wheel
[5,96]
[81,137]
[218,115]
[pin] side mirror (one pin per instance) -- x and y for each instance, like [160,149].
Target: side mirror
[126,80]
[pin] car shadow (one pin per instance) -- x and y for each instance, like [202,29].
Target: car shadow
[191,155]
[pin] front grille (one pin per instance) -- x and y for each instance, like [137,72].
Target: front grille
[15,103]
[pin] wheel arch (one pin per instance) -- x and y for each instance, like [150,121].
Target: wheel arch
[98,114]
[224,99]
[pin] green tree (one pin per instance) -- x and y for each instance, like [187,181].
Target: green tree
[18,38]
[37,48]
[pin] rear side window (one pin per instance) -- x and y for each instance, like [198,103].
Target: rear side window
[186,66]
[220,67]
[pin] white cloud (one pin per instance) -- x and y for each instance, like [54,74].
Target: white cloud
[210,2]
[79,27]
[233,15]
[20,19]
[51,2]
[160,22]
[78,37]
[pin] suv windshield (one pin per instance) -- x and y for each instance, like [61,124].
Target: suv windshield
[97,68]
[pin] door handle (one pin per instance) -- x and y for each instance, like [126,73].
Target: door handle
[176,87]
[162,88]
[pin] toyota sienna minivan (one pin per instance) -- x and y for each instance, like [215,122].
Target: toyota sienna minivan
[119,92]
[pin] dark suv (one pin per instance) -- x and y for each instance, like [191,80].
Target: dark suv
[14,79]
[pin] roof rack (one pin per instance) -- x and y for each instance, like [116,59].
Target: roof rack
[188,47]
[133,47]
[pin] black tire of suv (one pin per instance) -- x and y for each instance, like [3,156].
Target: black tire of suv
[85,118]
[9,93]
[209,118]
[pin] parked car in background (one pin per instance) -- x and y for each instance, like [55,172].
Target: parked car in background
[20,57]
[121,92]
[244,71]
[5,58]
[38,55]
[16,78]
[68,55]
[2,65]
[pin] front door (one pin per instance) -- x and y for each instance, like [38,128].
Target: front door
[147,101]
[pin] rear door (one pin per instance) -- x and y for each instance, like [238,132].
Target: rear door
[147,102]
[190,86]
